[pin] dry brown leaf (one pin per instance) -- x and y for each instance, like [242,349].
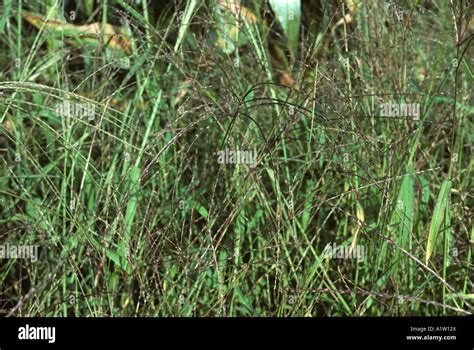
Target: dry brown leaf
[92,32]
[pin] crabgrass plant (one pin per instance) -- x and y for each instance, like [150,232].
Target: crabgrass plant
[236,158]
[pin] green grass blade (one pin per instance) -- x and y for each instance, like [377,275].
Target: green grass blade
[402,218]
[288,13]
[438,218]
[7,6]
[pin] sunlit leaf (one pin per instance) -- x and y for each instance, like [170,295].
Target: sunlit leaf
[288,13]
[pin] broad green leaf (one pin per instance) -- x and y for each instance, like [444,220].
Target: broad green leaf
[438,217]
[402,217]
[89,5]
[124,245]
[462,295]
[108,252]
[132,203]
[306,215]
[200,209]
[114,257]
[425,190]
[34,210]
[271,174]
[288,13]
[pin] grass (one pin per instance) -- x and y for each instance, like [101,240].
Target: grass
[134,216]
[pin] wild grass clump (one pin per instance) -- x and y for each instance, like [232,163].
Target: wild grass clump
[112,117]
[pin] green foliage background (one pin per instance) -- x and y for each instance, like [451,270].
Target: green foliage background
[135,217]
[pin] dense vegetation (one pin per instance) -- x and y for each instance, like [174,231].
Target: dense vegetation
[113,115]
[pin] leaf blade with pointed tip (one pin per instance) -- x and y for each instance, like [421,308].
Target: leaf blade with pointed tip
[402,217]
[438,218]
[288,13]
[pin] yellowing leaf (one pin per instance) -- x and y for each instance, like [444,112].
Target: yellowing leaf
[237,10]
[229,15]
[90,33]
[360,221]
[352,5]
